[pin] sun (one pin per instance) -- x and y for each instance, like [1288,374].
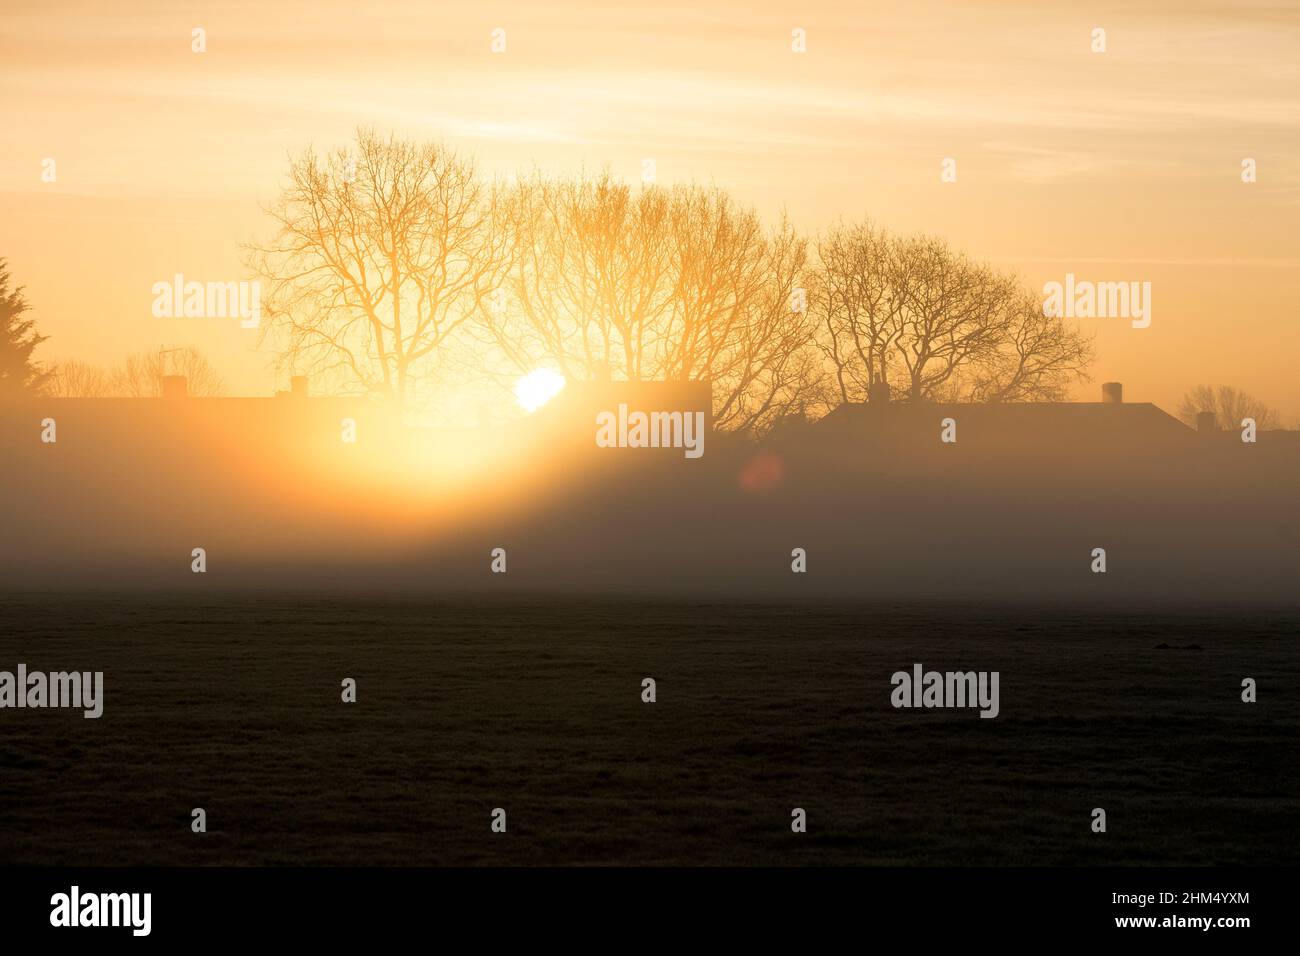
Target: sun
[537,388]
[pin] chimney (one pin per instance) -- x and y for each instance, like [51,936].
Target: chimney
[174,386]
[298,386]
[1112,393]
[878,393]
[1206,422]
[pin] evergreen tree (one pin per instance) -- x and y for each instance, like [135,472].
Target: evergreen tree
[18,339]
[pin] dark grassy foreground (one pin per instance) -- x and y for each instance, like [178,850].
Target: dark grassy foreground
[535,707]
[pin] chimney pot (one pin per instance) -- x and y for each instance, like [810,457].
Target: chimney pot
[1112,393]
[878,393]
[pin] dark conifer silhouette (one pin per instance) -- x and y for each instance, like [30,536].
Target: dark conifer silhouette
[19,373]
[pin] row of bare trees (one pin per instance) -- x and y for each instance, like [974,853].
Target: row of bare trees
[394,265]
[138,375]
[392,260]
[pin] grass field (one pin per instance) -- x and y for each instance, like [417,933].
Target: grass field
[234,705]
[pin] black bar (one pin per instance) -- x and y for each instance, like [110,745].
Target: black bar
[656,906]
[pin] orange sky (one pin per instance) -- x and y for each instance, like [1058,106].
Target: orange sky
[1123,165]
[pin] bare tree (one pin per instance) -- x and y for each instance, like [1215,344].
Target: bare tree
[858,306]
[140,375]
[592,271]
[382,254]
[659,283]
[73,379]
[760,350]
[914,314]
[1038,359]
[954,315]
[1230,405]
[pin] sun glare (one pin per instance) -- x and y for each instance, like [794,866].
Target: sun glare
[537,388]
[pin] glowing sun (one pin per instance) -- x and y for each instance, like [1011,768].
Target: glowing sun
[537,388]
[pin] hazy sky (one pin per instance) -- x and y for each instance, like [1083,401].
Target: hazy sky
[1122,165]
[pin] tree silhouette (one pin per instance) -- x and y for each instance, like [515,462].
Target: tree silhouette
[76,379]
[382,254]
[19,374]
[656,283]
[138,375]
[911,313]
[393,264]
[1230,405]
